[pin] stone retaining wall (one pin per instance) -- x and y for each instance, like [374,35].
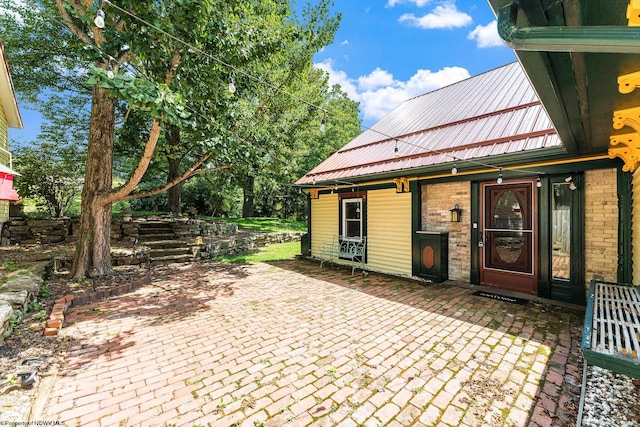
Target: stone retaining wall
[213,248]
[21,231]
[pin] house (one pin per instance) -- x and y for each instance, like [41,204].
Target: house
[538,157]
[9,117]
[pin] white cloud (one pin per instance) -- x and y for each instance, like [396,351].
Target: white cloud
[486,35]
[379,92]
[337,77]
[419,3]
[444,16]
[345,43]
[377,78]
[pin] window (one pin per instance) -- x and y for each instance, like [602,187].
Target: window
[561,231]
[352,219]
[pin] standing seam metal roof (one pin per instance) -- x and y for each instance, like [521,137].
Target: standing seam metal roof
[493,113]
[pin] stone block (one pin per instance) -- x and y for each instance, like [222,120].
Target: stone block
[17,299]
[5,313]
[28,282]
[46,223]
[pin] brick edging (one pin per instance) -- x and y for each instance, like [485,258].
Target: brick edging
[61,305]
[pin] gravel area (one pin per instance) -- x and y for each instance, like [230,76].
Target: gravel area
[611,400]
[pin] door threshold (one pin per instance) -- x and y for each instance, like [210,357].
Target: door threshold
[514,294]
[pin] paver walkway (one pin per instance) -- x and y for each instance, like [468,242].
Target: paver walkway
[295,345]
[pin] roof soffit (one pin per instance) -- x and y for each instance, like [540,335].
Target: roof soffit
[7,93]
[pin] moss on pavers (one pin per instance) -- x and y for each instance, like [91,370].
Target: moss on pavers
[290,342]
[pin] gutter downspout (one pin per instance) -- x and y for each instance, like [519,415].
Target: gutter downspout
[565,39]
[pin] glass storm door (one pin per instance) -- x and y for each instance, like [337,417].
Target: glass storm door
[509,236]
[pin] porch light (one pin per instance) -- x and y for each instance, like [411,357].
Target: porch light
[499,180]
[538,182]
[454,169]
[232,85]
[456,214]
[99,21]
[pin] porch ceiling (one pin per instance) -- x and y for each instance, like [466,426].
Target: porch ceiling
[576,78]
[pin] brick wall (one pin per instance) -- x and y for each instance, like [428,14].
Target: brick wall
[437,201]
[601,224]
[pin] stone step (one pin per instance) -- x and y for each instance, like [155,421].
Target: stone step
[155,253]
[148,238]
[164,244]
[155,230]
[171,259]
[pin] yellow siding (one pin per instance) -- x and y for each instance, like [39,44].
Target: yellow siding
[4,143]
[635,226]
[324,221]
[389,231]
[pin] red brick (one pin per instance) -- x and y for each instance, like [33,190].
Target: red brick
[54,323]
[49,332]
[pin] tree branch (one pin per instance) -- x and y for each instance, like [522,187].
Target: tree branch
[68,20]
[149,149]
[126,116]
[189,174]
[143,164]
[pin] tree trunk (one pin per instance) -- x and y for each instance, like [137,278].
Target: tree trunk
[93,249]
[247,189]
[175,201]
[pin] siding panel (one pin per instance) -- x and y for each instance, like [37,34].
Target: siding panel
[389,231]
[4,159]
[324,221]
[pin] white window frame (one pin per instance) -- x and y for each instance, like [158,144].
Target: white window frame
[344,218]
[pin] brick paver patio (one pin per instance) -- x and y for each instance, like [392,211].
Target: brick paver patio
[295,345]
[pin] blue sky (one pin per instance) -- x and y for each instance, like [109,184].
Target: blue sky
[387,51]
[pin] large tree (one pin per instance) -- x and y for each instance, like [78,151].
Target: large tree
[169,62]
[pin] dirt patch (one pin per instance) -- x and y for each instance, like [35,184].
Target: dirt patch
[27,349]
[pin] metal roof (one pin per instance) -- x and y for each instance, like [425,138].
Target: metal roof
[494,113]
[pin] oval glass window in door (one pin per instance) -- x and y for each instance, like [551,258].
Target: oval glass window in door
[507,216]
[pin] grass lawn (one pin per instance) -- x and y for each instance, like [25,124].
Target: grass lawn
[266,225]
[279,252]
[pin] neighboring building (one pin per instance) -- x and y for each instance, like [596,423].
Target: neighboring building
[536,216]
[9,117]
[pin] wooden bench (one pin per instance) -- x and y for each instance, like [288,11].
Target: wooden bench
[611,334]
[341,248]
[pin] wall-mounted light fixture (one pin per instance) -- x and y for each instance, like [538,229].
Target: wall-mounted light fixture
[572,185]
[456,214]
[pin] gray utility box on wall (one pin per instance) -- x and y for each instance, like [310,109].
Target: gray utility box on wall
[434,255]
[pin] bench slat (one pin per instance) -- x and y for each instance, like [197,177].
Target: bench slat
[341,248]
